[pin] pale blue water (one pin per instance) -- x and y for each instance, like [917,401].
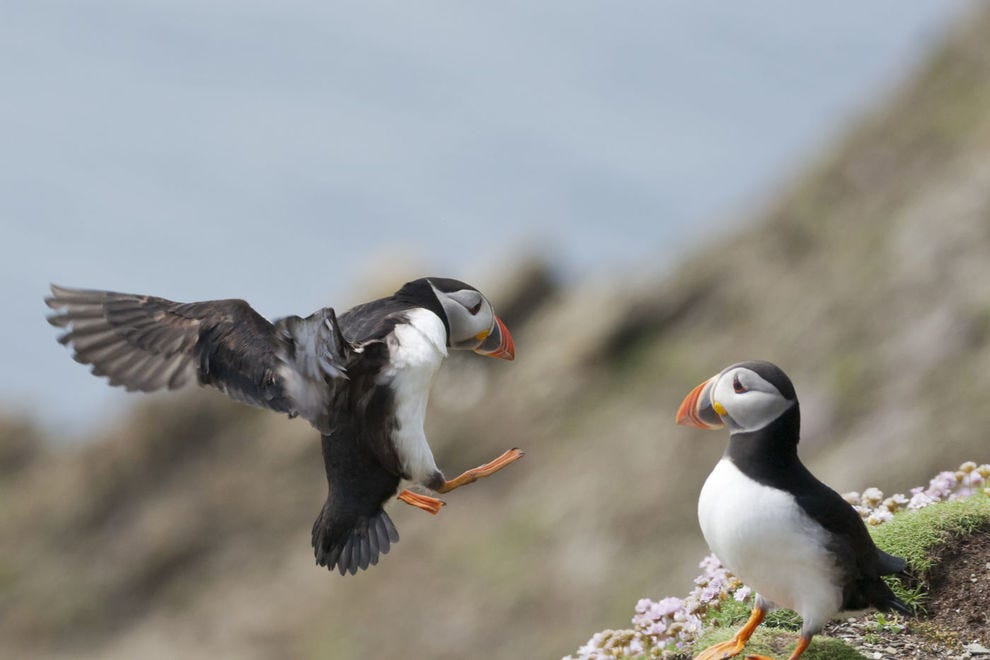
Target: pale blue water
[273,151]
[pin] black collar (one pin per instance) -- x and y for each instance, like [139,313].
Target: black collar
[769,455]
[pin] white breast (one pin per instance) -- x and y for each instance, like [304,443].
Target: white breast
[764,537]
[417,349]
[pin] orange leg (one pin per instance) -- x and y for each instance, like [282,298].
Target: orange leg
[485,470]
[424,502]
[802,644]
[734,646]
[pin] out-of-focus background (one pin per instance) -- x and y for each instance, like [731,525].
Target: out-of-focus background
[646,191]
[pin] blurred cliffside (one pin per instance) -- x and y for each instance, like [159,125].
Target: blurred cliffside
[183,530]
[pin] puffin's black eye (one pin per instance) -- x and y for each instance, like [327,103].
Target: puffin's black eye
[737,386]
[474,310]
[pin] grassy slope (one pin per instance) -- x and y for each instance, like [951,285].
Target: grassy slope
[918,536]
[185,527]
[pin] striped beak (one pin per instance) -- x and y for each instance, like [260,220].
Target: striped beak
[498,343]
[696,408]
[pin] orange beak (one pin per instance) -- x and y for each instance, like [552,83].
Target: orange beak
[498,344]
[696,408]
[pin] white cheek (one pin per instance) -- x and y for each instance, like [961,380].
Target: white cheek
[486,319]
[754,410]
[751,410]
[465,327]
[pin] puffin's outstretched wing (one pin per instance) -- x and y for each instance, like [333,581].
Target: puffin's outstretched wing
[147,343]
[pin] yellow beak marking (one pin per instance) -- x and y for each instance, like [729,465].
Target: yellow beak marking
[719,408]
[483,335]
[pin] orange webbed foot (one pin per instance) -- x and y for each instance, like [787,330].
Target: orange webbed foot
[424,502]
[727,649]
[733,647]
[485,470]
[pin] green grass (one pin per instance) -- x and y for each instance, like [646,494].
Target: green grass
[918,535]
[728,614]
[779,643]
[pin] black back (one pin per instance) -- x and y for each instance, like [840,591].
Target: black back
[375,319]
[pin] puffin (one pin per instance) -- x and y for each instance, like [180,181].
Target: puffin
[362,379]
[784,533]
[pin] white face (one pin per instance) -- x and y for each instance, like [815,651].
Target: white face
[745,401]
[469,315]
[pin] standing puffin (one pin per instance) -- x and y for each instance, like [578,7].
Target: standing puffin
[362,380]
[780,530]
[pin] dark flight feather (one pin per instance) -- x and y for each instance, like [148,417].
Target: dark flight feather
[148,343]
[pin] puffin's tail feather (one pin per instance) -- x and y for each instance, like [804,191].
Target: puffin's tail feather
[896,604]
[880,596]
[889,564]
[355,546]
[887,600]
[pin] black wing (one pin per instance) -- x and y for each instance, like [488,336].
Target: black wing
[863,562]
[147,343]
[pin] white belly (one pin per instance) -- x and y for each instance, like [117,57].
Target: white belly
[763,536]
[416,352]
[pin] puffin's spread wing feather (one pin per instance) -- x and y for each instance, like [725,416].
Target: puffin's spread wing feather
[147,343]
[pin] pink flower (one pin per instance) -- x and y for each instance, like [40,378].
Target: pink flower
[879,516]
[668,606]
[710,564]
[872,496]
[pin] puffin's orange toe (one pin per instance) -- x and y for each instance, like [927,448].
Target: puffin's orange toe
[424,502]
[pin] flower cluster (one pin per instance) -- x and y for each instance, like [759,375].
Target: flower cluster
[874,508]
[668,627]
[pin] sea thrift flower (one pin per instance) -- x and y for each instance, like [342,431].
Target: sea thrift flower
[863,511]
[895,502]
[879,516]
[920,499]
[872,496]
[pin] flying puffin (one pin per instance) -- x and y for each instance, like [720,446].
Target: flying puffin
[361,379]
[780,530]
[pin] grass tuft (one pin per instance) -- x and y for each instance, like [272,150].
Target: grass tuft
[917,535]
